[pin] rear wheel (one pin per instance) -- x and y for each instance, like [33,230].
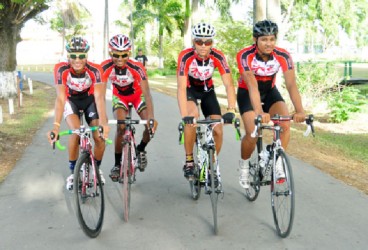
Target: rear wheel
[89,196]
[283,197]
[252,192]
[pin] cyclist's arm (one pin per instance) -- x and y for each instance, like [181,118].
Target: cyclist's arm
[230,90]
[290,81]
[182,95]
[59,104]
[148,98]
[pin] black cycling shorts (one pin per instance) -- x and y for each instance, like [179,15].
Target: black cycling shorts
[209,102]
[270,97]
[87,104]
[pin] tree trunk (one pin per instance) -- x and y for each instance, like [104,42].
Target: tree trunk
[259,10]
[187,25]
[9,37]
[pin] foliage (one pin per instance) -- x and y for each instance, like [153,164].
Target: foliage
[344,102]
[230,38]
[322,22]
[161,72]
[315,79]
[68,20]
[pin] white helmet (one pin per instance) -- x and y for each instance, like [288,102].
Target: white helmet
[203,30]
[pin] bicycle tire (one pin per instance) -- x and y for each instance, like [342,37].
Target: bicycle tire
[127,178]
[89,196]
[213,193]
[252,192]
[283,198]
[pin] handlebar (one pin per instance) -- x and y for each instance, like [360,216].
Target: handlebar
[277,118]
[79,131]
[205,122]
[150,122]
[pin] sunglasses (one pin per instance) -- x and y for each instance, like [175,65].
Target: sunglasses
[80,56]
[200,42]
[122,55]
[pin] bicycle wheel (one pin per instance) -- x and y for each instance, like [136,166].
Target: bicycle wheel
[213,193]
[195,184]
[252,192]
[89,196]
[283,198]
[127,179]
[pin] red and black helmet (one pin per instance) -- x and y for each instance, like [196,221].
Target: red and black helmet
[120,42]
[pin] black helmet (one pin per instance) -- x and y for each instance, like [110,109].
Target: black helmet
[77,44]
[265,28]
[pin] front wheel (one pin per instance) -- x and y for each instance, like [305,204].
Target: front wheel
[127,176]
[283,197]
[89,196]
[213,193]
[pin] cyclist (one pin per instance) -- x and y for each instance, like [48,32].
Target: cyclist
[258,65]
[129,84]
[194,79]
[80,86]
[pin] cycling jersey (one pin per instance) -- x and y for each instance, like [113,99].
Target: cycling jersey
[265,72]
[126,80]
[200,71]
[78,85]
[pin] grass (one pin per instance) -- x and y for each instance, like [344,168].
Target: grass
[17,129]
[354,146]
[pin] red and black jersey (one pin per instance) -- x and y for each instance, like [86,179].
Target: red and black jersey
[125,80]
[78,84]
[200,71]
[265,72]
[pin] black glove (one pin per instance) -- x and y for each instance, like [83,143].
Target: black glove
[188,119]
[228,117]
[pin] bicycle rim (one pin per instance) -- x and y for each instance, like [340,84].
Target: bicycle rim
[252,192]
[213,193]
[283,199]
[127,180]
[89,196]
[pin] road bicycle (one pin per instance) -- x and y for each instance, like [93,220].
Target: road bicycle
[129,159]
[87,188]
[206,168]
[262,172]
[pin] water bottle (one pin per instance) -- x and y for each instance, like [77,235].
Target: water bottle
[264,158]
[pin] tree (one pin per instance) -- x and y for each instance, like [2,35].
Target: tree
[13,15]
[168,14]
[69,19]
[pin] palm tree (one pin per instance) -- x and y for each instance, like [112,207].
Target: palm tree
[167,13]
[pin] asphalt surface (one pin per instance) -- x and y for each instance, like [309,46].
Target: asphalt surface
[36,212]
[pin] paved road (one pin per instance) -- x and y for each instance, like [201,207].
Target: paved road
[36,212]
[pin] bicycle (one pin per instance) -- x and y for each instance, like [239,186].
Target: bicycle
[129,159]
[89,194]
[262,172]
[206,168]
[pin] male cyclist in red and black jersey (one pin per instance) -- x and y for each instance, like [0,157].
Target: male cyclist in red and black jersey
[129,85]
[258,65]
[194,75]
[80,86]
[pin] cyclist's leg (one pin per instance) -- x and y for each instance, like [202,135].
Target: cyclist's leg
[248,143]
[120,110]
[190,134]
[71,115]
[211,107]
[91,117]
[275,104]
